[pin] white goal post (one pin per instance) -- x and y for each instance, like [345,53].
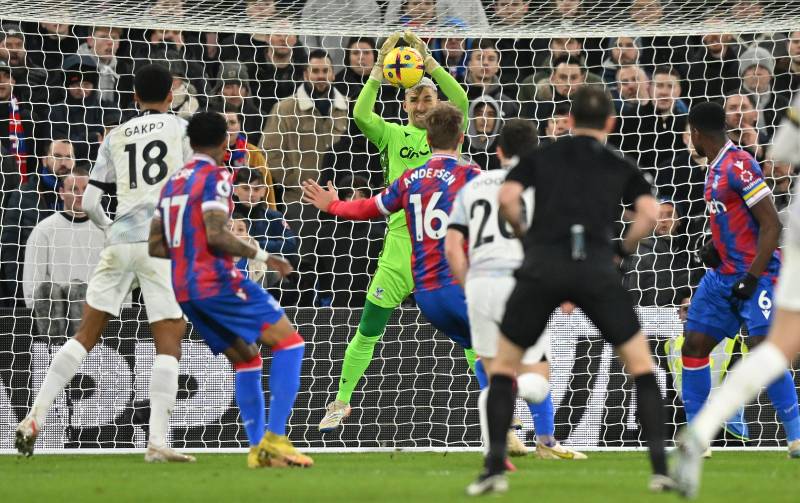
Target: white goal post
[71,64]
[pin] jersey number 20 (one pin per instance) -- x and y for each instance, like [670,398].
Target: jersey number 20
[486,207]
[150,159]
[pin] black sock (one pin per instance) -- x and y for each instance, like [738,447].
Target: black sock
[651,416]
[499,410]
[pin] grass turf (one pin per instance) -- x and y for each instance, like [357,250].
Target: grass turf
[383,477]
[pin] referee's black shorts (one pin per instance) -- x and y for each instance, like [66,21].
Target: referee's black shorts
[594,286]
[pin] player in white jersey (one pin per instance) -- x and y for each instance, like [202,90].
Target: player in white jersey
[769,360]
[486,270]
[135,160]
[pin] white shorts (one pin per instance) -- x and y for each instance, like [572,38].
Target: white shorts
[486,304]
[787,294]
[124,266]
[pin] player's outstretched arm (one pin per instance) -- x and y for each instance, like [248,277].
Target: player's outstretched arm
[221,239]
[156,246]
[370,123]
[446,82]
[510,199]
[326,199]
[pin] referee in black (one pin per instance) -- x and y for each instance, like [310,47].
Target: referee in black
[569,256]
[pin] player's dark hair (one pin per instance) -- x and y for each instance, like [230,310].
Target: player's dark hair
[207,129]
[517,136]
[708,118]
[249,176]
[445,124]
[591,107]
[152,83]
[357,40]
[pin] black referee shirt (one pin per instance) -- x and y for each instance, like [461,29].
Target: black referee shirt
[578,180]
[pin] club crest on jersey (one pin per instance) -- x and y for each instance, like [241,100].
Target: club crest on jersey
[241,294]
[715,184]
[379,293]
[745,175]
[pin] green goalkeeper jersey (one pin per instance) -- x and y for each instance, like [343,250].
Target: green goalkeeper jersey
[402,147]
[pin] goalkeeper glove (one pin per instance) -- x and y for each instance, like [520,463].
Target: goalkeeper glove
[386,48]
[745,287]
[709,255]
[421,47]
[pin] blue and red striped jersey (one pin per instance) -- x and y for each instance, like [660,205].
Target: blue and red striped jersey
[198,271]
[734,184]
[427,194]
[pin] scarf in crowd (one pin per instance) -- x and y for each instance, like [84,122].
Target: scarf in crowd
[323,101]
[236,157]
[17,136]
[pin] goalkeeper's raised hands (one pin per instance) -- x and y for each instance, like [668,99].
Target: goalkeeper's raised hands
[386,48]
[421,47]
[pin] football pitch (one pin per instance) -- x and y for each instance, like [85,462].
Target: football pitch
[384,477]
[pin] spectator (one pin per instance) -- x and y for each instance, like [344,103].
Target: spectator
[780,177]
[670,111]
[788,82]
[453,54]
[756,69]
[233,93]
[250,268]
[244,155]
[29,80]
[81,117]
[427,13]
[485,120]
[713,66]
[558,48]
[277,69]
[265,225]
[539,98]
[184,95]
[246,47]
[558,124]
[661,273]
[622,51]
[633,86]
[366,12]
[170,46]
[656,50]
[33,201]
[16,129]
[301,128]
[563,13]
[48,44]
[351,251]
[115,81]
[352,157]
[360,56]
[682,179]
[482,78]
[741,119]
[516,54]
[60,256]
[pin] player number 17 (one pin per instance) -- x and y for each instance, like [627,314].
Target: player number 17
[173,236]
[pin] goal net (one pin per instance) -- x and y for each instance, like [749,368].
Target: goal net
[66,73]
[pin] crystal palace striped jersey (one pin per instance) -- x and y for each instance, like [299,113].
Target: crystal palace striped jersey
[734,185]
[427,193]
[198,271]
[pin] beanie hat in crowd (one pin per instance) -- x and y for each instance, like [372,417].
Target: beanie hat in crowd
[756,56]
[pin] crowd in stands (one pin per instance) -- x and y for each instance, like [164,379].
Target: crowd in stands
[288,102]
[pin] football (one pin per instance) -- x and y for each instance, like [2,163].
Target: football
[403,67]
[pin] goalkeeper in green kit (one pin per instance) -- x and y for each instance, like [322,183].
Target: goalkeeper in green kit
[402,147]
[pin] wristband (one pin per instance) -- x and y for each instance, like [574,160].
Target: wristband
[261,255]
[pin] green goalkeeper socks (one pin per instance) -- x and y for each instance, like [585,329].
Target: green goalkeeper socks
[470,355]
[359,351]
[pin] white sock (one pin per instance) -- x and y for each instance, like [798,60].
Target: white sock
[163,389]
[64,366]
[483,399]
[761,367]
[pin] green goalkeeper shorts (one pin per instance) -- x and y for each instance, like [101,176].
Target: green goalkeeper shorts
[392,282]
